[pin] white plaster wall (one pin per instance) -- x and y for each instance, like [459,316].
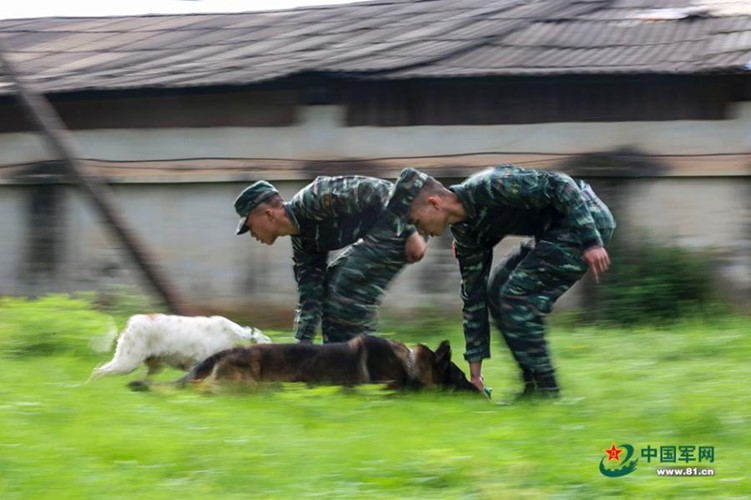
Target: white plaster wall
[692,212]
[320,134]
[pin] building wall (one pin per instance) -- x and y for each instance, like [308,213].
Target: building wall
[189,228]
[712,215]
[700,197]
[320,134]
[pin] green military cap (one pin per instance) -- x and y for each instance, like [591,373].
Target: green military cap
[249,199]
[406,189]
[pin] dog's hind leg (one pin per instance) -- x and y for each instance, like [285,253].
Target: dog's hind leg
[154,366]
[363,375]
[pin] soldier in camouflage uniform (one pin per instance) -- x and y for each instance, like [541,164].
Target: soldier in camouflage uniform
[329,214]
[569,226]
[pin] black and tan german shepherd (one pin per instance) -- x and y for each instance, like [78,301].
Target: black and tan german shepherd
[364,359]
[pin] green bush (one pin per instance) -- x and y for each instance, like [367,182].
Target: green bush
[656,284]
[122,301]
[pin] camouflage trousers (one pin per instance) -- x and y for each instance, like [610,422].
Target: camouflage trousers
[523,288]
[357,279]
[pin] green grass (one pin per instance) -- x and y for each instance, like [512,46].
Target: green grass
[63,438]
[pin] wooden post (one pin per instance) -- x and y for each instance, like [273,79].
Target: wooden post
[65,148]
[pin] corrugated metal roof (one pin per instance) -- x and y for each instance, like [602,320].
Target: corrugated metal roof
[382,39]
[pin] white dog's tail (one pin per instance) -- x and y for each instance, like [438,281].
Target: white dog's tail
[103,342]
[126,359]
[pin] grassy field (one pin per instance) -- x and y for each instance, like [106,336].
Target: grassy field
[63,438]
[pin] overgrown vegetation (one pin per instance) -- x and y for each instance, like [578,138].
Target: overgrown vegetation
[63,438]
[654,284]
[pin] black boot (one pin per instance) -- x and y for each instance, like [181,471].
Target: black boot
[530,388]
[537,387]
[529,385]
[546,386]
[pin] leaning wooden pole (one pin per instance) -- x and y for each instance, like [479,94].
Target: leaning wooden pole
[65,148]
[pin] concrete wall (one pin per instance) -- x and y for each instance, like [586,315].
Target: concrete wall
[13,235]
[711,214]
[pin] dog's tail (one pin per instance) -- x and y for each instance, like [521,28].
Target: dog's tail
[202,369]
[103,342]
[198,372]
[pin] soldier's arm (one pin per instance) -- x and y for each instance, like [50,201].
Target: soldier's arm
[310,271]
[474,265]
[532,189]
[415,247]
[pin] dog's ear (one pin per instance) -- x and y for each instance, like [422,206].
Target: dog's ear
[443,355]
[444,349]
[424,347]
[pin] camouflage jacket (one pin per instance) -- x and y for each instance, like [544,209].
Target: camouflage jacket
[330,213]
[508,200]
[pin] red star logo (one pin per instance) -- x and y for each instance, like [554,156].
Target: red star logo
[614,453]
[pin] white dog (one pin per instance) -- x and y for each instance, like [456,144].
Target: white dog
[177,341]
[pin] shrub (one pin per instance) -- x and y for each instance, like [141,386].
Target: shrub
[656,284]
[122,301]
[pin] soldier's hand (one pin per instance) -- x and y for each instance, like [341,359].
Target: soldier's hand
[415,248]
[475,377]
[598,260]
